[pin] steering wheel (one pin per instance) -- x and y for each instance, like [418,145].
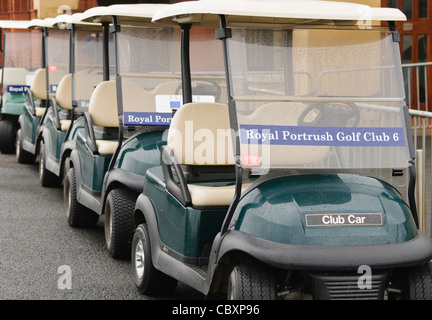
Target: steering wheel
[204,88]
[330,114]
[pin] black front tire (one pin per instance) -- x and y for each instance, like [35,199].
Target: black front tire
[76,214]
[418,282]
[251,282]
[147,278]
[8,130]
[119,222]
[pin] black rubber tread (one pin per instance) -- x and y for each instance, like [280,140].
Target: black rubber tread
[77,215]
[153,281]
[252,282]
[418,283]
[8,130]
[119,207]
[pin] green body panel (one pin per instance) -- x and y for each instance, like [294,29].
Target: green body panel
[275,210]
[77,127]
[141,152]
[56,137]
[137,154]
[93,167]
[31,124]
[13,103]
[186,231]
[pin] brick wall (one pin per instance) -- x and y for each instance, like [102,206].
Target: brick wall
[17,10]
[25,9]
[29,9]
[86,4]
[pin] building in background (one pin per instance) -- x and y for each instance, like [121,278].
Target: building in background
[30,9]
[415,33]
[416,47]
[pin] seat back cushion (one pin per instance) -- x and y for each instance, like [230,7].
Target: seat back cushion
[38,86]
[103,105]
[64,92]
[200,134]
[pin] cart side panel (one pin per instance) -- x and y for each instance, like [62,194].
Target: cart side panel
[184,230]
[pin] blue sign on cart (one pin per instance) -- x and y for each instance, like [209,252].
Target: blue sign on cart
[322,136]
[147,119]
[17,89]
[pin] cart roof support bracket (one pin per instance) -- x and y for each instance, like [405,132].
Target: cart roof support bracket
[223,33]
[114,28]
[394,33]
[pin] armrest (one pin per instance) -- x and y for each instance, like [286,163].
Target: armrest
[55,114]
[178,188]
[90,135]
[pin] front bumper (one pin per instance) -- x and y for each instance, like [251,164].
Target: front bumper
[328,257]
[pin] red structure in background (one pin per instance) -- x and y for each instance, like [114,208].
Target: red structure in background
[23,9]
[17,10]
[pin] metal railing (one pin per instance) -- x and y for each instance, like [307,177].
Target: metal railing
[417,96]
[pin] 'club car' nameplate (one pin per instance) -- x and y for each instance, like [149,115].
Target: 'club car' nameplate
[343,219]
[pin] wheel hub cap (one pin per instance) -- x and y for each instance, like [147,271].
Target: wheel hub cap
[139,259]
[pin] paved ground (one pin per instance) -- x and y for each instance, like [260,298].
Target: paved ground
[38,250]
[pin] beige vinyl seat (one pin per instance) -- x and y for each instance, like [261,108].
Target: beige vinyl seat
[103,108]
[64,99]
[206,196]
[144,100]
[84,85]
[38,89]
[200,135]
[15,76]
[103,112]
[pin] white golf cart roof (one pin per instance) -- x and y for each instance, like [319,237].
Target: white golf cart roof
[64,20]
[126,14]
[14,24]
[41,23]
[205,12]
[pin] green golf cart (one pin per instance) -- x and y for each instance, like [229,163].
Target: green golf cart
[44,83]
[21,50]
[81,65]
[299,185]
[109,172]
[110,144]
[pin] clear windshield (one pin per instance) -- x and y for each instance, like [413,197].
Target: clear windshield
[151,73]
[313,98]
[88,66]
[57,58]
[207,67]
[148,70]
[22,56]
